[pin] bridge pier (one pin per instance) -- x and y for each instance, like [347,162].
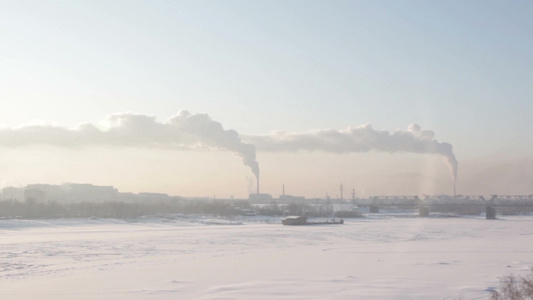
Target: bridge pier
[374,209]
[423,211]
[490,212]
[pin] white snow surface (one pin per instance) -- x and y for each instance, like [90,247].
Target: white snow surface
[378,257]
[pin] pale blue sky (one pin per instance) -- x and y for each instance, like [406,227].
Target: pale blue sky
[460,68]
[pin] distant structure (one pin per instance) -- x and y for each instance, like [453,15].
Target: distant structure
[260,198]
[75,193]
[34,194]
[87,192]
[13,193]
[288,199]
[258,184]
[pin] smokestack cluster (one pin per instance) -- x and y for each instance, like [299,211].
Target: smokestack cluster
[358,139]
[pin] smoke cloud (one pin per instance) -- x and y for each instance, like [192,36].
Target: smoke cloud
[358,139]
[182,131]
[196,131]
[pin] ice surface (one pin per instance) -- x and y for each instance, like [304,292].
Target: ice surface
[181,257]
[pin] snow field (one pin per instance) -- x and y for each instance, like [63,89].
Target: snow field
[379,257]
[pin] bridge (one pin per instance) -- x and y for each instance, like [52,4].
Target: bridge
[448,202]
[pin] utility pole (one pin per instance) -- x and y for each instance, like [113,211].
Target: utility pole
[341,189]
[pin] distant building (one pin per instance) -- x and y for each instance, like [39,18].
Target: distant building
[51,192]
[150,197]
[153,195]
[260,198]
[288,199]
[87,192]
[13,193]
[36,195]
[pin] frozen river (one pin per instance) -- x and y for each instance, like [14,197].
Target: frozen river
[378,257]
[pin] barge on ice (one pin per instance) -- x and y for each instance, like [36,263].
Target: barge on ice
[302,220]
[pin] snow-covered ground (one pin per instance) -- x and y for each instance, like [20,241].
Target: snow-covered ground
[378,257]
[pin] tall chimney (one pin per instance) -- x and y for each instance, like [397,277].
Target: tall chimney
[257,183]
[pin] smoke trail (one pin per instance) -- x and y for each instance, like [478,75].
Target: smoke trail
[358,139]
[182,131]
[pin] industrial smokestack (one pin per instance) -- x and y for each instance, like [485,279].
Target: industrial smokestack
[257,183]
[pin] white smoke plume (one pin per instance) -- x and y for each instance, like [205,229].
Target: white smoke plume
[358,139]
[183,131]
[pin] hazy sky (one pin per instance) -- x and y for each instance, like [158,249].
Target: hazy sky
[461,69]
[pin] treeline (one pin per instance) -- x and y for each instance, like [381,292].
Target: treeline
[477,209]
[31,209]
[458,209]
[301,209]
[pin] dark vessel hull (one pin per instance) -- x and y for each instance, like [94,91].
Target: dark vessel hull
[300,222]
